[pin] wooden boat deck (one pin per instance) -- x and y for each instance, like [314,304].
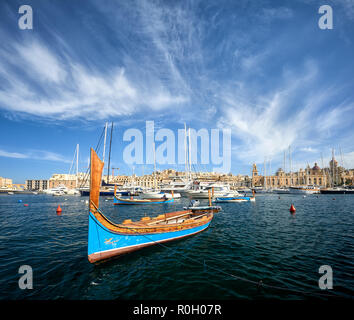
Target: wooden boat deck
[171,221]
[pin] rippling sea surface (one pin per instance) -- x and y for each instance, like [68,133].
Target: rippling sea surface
[256,241]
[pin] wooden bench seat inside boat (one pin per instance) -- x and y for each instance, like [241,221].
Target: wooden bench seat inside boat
[171,221]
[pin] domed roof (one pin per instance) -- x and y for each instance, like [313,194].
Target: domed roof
[316,167]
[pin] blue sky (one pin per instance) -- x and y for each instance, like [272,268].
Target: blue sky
[264,69]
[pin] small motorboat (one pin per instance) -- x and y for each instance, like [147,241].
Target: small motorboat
[235,199]
[230,199]
[195,205]
[58,193]
[131,200]
[140,200]
[156,194]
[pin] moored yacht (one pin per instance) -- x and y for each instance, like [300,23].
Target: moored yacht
[216,189]
[262,190]
[337,190]
[304,190]
[281,190]
[158,194]
[57,191]
[176,185]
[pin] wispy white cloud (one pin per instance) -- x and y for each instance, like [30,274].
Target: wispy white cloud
[71,90]
[16,155]
[336,116]
[39,62]
[35,155]
[267,124]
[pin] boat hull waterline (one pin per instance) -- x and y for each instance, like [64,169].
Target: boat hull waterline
[231,199]
[115,244]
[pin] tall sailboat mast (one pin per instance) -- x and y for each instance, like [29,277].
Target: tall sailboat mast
[270,172]
[342,163]
[185,150]
[333,174]
[323,169]
[155,182]
[109,156]
[265,175]
[104,143]
[189,153]
[291,179]
[77,164]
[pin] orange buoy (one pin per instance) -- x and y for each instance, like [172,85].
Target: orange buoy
[292,209]
[59,210]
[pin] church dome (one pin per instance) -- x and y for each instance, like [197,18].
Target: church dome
[316,167]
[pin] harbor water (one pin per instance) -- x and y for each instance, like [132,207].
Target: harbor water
[257,241]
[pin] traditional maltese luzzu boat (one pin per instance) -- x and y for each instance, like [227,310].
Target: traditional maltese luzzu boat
[107,239]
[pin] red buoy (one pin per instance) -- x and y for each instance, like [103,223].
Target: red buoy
[292,209]
[58,210]
[25,205]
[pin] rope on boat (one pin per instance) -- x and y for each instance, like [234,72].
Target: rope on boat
[259,284]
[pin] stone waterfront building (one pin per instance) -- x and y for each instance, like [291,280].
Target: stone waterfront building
[5,182]
[310,176]
[71,181]
[36,185]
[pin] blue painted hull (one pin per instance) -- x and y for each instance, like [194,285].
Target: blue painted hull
[104,243]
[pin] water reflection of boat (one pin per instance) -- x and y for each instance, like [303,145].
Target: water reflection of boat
[107,239]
